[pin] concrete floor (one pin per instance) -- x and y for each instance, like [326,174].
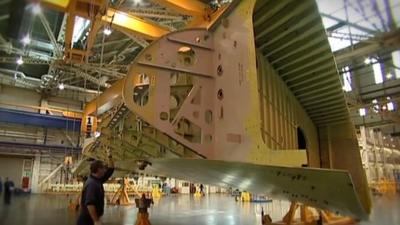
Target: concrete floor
[174,210]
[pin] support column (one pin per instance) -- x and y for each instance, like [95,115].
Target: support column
[365,152]
[382,154]
[44,104]
[35,174]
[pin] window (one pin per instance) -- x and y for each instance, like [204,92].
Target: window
[390,106]
[375,107]
[396,63]
[81,25]
[362,112]
[377,71]
[346,79]
[376,66]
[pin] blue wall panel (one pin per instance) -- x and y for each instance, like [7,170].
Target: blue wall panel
[36,119]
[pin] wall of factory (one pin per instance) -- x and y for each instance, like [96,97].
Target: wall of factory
[36,171]
[282,114]
[29,100]
[16,98]
[18,133]
[36,151]
[12,167]
[380,154]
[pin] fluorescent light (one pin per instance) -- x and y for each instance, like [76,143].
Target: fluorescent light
[390,106]
[20,61]
[26,40]
[377,73]
[36,9]
[61,86]
[81,24]
[107,31]
[362,112]
[375,108]
[346,79]
[396,63]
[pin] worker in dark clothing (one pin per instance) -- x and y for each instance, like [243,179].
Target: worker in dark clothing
[143,204]
[92,200]
[202,189]
[8,188]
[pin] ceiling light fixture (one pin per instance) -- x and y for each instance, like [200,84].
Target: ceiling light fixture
[362,112]
[26,40]
[107,31]
[97,134]
[20,61]
[36,9]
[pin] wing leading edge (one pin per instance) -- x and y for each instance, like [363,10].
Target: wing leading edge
[321,188]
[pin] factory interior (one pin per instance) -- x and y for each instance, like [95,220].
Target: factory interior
[202,112]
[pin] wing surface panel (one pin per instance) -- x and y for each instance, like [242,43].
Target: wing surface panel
[321,188]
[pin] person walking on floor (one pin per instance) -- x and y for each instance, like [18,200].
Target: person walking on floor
[8,189]
[202,190]
[92,200]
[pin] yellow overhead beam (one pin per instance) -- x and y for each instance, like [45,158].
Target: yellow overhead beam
[119,20]
[106,100]
[56,4]
[192,7]
[128,22]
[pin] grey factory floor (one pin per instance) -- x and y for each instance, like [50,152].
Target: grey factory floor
[215,209]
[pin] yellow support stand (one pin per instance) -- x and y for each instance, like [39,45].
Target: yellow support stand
[245,196]
[197,194]
[308,218]
[121,195]
[142,219]
[384,186]
[74,204]
[156,192]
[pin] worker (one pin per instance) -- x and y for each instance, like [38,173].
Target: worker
[202,190]
[92,199]
[8,188]
[143,204]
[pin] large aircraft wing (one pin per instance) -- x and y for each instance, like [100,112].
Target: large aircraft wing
[332,190]
[202,93]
